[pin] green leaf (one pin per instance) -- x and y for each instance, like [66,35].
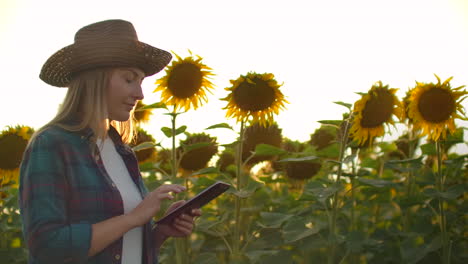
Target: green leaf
[387,147]
[455,138]
[180,130]
[315,190]
[152,106]
[167,131]
[376,182]
[206,258]
[331,151]
[355,241]
[429,149]
[453,192]
[268,150]
[308,158]
[231,145]
[247,191]
[413,251]
[406,165]
[144,145]
[209,170]
[415,160]
[273,220]
[256,255]
[191,147]
[344,104]
[333,123]
[296,230]
[221,125]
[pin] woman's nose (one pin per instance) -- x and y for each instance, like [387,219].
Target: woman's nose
[138,93]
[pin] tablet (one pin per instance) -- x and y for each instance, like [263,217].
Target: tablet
[198,201]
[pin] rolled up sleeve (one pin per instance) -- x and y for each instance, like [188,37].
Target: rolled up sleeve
[44,191]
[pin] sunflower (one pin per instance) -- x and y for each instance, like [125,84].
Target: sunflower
[163,158]
[259,134]
[254,95]
[197,158]
[403,147]
[323,137]
[434,107]
[301,170]
[372,111]
[144,155]
[227,162]
[186,83]
[141,116]
[291,146]
[13,142]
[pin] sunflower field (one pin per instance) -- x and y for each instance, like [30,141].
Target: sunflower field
[344,196]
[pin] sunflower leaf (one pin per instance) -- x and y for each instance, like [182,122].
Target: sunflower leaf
[308,158]
[333,123]
[315,190]
[144,145]
[376,182]
[198,145]
[230,145]
[344,104]
[167,131]
[180,130]
[220,125]
[273,220]
[247,191]
[296,230]
[268,150]
[452,193]
[209,170]
[428,149]
[152,106]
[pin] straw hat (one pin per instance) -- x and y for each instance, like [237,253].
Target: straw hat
[110,43]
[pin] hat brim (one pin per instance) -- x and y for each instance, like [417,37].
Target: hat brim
[63,65]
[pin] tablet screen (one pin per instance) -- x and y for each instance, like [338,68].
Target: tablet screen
[198,201]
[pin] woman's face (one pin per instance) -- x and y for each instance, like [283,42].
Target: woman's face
[123,92]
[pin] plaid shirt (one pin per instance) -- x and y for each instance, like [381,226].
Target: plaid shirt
[64,189]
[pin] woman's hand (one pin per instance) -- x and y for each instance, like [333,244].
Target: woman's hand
[182,225]
[151,204]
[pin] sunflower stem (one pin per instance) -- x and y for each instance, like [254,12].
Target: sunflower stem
[442,216]
[238,200]
[333,232]
[180,244]
[409,181]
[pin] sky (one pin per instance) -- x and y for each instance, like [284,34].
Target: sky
[322,52]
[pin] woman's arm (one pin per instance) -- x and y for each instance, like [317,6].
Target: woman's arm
[106,232]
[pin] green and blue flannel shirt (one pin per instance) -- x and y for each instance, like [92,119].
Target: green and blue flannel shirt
[64,189]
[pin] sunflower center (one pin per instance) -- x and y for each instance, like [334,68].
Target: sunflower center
[378,109]
[436,105]
[254,96]
[185,80]
[11,151]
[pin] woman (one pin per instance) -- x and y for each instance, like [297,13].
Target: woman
[82,198]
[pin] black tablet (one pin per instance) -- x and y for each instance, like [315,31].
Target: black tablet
[198,201]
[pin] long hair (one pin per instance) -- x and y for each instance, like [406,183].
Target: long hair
[86,103]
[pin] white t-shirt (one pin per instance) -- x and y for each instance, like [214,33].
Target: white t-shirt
[115,167]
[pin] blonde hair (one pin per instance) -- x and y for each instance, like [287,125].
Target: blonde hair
[86,101]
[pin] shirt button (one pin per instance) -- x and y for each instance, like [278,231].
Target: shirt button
[117,257]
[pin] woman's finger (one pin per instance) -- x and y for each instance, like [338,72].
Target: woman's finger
[196,212]
[184,227]
[170,188]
